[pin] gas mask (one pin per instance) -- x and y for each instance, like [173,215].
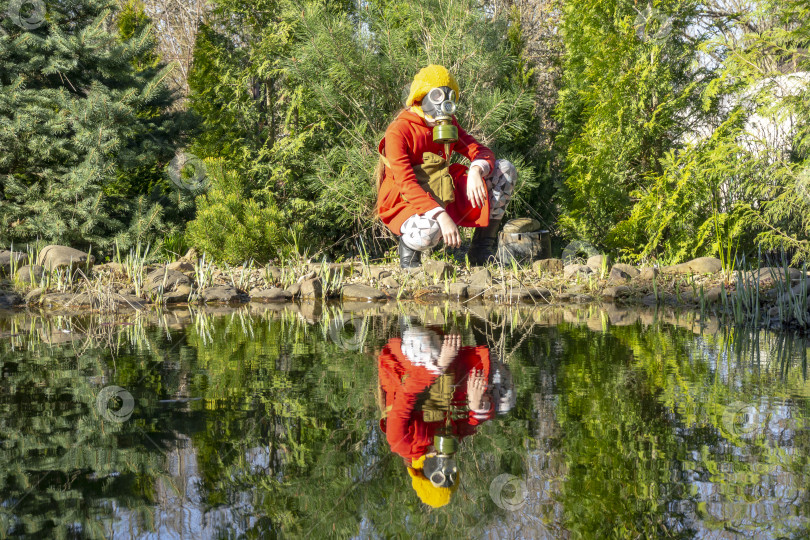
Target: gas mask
[440,468]
[439,105]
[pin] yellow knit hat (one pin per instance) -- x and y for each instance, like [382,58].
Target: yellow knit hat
[433,496]
[430,77]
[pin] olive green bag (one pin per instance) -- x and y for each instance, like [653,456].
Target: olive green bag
[434,177]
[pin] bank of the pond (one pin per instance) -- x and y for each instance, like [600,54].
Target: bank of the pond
[65,279]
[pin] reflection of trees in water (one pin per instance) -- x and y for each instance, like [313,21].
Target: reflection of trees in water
[618,428]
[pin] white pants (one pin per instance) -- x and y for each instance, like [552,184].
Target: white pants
[422,231]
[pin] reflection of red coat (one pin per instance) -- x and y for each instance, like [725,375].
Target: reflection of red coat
[400,196]
[403,383]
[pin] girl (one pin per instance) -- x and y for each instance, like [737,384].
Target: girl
[421,196]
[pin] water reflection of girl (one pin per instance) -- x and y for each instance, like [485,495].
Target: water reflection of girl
[431,385]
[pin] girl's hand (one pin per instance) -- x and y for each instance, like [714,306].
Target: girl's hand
[449,230]
[476,192]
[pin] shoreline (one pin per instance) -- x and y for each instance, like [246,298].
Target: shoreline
[773,297]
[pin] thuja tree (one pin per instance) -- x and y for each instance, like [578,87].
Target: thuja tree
[85,125]
[629,79]
[741,186]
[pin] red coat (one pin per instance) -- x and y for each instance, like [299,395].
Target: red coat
[406,139]
[403,383]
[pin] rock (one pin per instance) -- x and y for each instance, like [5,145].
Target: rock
[294,289]
[481,279]
[181,266]
[582,298]
[170,280]
[9,300]
[647,274]
[649,300]
[541,294]
[390,282]
[223,294]
[34,295]
[458,290]
[126,290]
[379,272]
[574,269]
[548,266]
[438,269]
[130,301]
[362,292]
[663,298]
[176,297]
[311,288]
[618,275]
[508,294]
[308,275]
[714,294]
[770,274]
[628,269]
[30,274]
[53,257]
[522,225]
[69,300]
[6,257]
[701,265]
[620,291]
[595,262]
[476,292]
[275,294]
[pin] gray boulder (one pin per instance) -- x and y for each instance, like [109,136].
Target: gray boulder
[458,290]
[628,269]
[437,268]
[30,274]
[274,294]
[53,257]
[701,265]
[481,279]
[223,294]
[362,292]
[548,266]
[174,281]
[311,288]
[573,269]
[595,262]
[7,257]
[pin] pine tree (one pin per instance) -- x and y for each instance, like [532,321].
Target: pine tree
[85,125]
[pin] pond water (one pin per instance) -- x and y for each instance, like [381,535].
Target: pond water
[309,421]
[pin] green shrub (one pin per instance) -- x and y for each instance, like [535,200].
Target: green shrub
[233,227]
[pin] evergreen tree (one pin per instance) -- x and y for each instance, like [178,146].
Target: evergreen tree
[630,92]
[85,126]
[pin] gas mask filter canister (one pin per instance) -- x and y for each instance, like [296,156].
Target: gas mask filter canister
[440,105]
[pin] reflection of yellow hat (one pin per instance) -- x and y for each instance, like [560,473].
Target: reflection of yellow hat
[429,494]
[430,77]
